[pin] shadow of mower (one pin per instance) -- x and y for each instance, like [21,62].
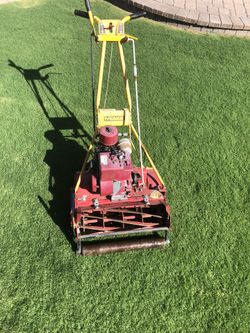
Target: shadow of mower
[66,156]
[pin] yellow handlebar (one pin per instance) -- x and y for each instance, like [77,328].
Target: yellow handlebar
[109,29]
[126,19]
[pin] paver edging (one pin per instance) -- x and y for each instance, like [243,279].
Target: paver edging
[191,16]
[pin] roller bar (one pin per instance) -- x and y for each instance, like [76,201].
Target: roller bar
[122,246]
[121,233]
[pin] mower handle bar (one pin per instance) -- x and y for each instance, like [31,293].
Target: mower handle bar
[87,4]
[134,16]
[137,15]
[125,19]
[81,13]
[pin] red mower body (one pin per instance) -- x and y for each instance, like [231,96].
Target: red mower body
[112,200]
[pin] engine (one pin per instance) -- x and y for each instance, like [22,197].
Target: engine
[113,165]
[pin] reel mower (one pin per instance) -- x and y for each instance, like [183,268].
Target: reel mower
[112,198]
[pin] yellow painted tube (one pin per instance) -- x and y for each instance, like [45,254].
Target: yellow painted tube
[96,19]
[126,19]
[85,161]
[91,18]
[125,77]
[131,37]
[147,154]
[100,80]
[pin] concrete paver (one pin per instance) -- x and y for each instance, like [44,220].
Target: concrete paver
[218,14]
[230,17]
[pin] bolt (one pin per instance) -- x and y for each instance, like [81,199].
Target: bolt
[96,203]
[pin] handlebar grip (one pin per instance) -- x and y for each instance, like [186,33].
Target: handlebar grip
[87,4]
[81,13]
[137,15]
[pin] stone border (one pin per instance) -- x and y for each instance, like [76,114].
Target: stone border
[207,30]
[190,16]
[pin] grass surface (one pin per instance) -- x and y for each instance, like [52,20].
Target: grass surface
[195,104]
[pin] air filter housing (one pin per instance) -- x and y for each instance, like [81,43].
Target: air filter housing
[108,135]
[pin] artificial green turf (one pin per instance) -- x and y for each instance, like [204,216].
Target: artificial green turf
[195,104]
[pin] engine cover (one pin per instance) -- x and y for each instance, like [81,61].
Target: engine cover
[115,174]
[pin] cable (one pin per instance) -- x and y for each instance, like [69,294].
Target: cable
[92,80]
[137,109]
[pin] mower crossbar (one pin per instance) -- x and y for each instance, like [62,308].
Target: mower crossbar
[121,233]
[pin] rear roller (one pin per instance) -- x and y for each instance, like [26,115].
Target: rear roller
[122,245]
